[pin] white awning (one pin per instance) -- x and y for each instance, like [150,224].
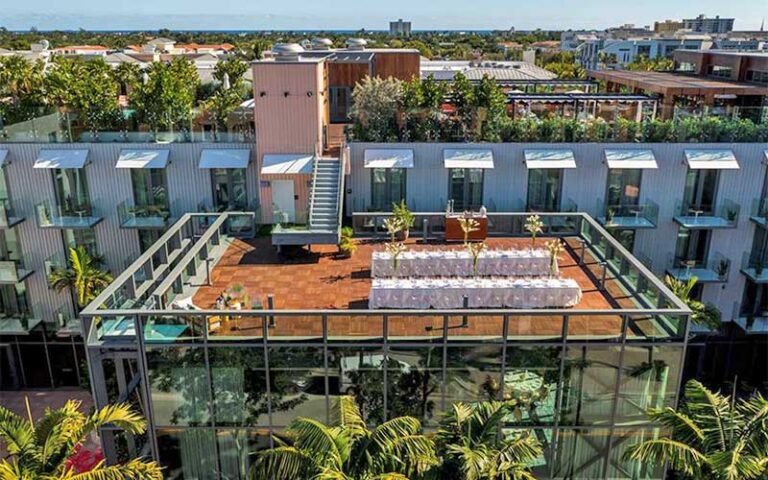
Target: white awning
[61,158]
[711,159]
[388,158]
[142,158]
[3,156]
[286,163]
[630,158]
[468,158]
[550,158]
[224,158]
[765,152]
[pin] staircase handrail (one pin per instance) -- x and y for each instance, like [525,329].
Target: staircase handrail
[313,193]
[340,193]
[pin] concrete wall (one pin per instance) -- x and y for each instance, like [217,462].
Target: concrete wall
[505,189]
[188,186]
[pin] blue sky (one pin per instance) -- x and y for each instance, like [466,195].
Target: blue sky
[353,14]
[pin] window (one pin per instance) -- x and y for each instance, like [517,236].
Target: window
[719,71]
[71,188]
[229,191]
[544,187]
[757,76]
[700,191]
[466,188]
[149,187]
[387,187]
[340,98]
[692,248]
[623,188]
[9,245]
[13,299]
[755,300]
[85,237]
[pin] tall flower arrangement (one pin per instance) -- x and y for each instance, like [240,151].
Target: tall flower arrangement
[555,247]
[475,249]
[468,225]
[393,226]
[396,249]
[534,225]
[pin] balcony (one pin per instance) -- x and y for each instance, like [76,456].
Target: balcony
[143,216]
[56,261]
[759,212]
[754,267]
[13,272]
[715,270]
[51,215]
[704,217]
[629,217]
[8,218]
[18,319]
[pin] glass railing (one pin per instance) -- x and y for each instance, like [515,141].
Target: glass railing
[700,216]
[51,215]
[755,266]
[13,271]
[46,125]
[714,270]
[629,217]
[66,323]
[131,215]
[8,217]
[54,263]
[759,211]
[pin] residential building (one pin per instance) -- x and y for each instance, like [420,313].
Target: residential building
[399,28]
[175,223]
[667,27]
[702,24]
[719,83]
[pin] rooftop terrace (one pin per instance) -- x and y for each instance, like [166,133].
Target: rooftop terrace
[317,295]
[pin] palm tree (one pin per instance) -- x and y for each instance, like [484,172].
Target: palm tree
[710,436]
[40,450]
[348,450]
[470,444]
[83,277]
[702,313]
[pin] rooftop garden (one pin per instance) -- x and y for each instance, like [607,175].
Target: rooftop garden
[74,99]
[389,110]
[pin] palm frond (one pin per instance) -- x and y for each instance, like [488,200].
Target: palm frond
[284,463]
[473,461]
[712,412]
[735,465]
[134,470]
[680,456]
[681,426]
[317,440]
[414,453]
[17,433]
[347,414]
[521,450]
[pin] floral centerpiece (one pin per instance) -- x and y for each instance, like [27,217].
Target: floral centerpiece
[555,247]
[468,225]
[396,249]
[393,226]
[535,226]
[475,249]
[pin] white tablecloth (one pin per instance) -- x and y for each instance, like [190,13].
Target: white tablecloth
[448,293]
[458,263]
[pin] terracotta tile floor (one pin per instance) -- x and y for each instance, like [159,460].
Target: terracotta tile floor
[320,280]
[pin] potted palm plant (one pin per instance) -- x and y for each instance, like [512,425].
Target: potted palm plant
[407,219]
[347,244]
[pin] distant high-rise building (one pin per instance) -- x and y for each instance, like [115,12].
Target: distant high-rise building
[400,28]
[702,24]
[667,26]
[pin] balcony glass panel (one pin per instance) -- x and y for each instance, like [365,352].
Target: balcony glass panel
[13,271]
[713,270]
[701,216]
[8,218]
[51,215]
[629,217]
[148,216]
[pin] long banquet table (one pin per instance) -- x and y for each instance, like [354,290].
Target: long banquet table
[449,293]
[458,263]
